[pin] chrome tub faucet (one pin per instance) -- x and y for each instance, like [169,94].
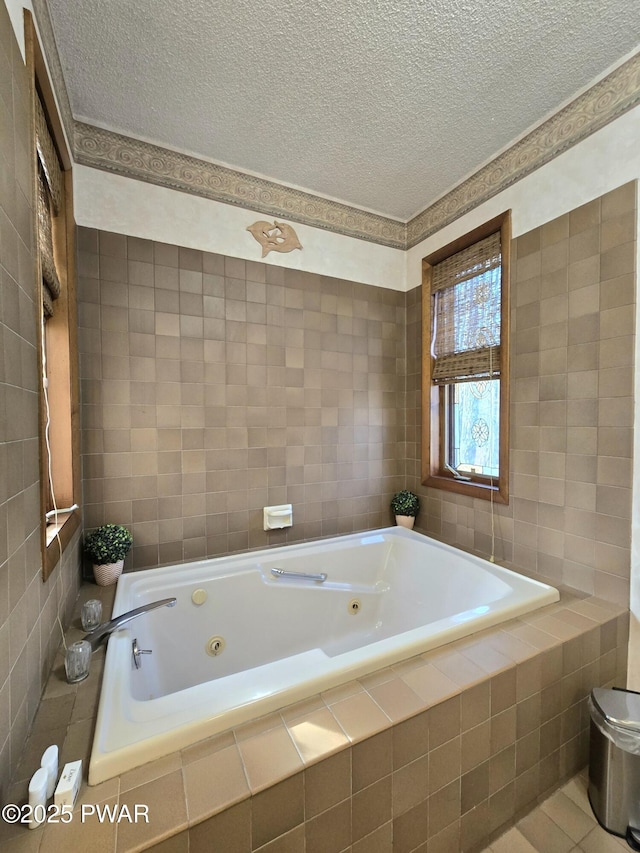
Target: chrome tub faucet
[102,633]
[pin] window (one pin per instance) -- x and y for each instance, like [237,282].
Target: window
[57,347]
[465,364]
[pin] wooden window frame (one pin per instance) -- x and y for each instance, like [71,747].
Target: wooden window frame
[61,332]
[433,473]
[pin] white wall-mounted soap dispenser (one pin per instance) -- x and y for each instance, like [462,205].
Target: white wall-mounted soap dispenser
[276,517]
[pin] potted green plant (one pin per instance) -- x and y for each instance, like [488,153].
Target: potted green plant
[106,547]
[405,506]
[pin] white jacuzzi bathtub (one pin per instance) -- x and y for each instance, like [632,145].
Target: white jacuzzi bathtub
[389,594]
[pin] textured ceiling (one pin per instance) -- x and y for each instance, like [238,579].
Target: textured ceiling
[381,104]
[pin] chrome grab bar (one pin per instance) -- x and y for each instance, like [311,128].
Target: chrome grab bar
[303,576]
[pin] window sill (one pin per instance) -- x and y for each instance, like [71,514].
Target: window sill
[58,536]
[470,488]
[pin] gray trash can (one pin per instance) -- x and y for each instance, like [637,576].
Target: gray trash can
[614,761]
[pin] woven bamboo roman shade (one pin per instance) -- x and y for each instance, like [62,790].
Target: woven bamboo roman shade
[49,202]
[466,296]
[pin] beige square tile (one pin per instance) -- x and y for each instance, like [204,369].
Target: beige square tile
[228,830]
[555,230]
[259,726]
[149,772]
[513,841]
[410,785]
[430,684]
[544,834]
[585,217]
[73,835]
[397,699]
[374,678]
[411,739]
[444,811]
[513,648]
[576,790]
[600,841]
[371,808]
[445,762]
[330,830]
[617,261]
[345,691]
[568,816]
[618,230]
[444,721]
[359,716]
[528,243]
[585,244]
[486,657]
[207,747]
[379,841]
[302,709]
[214,783]
[269,757]
[167,812]
[277,810]
[619,200]
[502,768]
[554,626]
[372,760]
[327,783]
[317,735]
[503,730]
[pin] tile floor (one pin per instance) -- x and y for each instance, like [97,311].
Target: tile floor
[563,823]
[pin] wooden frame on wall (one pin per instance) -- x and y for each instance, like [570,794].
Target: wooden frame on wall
[433,472]
[61,332]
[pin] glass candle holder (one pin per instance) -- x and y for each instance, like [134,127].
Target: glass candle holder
[77,661]
[91,614]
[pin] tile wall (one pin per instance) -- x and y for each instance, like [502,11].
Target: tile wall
[29,634]
[572,351]
[212,387]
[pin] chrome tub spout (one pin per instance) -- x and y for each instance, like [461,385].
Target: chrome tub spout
[102,633]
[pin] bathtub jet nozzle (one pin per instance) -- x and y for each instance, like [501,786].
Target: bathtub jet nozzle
[102,633]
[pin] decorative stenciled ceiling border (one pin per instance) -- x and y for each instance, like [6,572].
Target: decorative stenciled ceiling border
[601,104]
[50,50]
[104,149]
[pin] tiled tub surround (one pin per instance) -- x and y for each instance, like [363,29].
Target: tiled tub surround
[437,753]
[213,386]
[573,295]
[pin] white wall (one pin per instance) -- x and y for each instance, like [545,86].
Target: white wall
[114,203]
[15,9]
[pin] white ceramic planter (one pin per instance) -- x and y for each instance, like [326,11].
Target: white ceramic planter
[108,573]
[405,521]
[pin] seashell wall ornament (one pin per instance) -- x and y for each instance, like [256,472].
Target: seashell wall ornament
[276,237]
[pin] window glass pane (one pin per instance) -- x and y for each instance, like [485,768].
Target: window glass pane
[467,315]
[474,426]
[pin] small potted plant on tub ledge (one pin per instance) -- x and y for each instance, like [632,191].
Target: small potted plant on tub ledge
[405,506]
[106,547]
